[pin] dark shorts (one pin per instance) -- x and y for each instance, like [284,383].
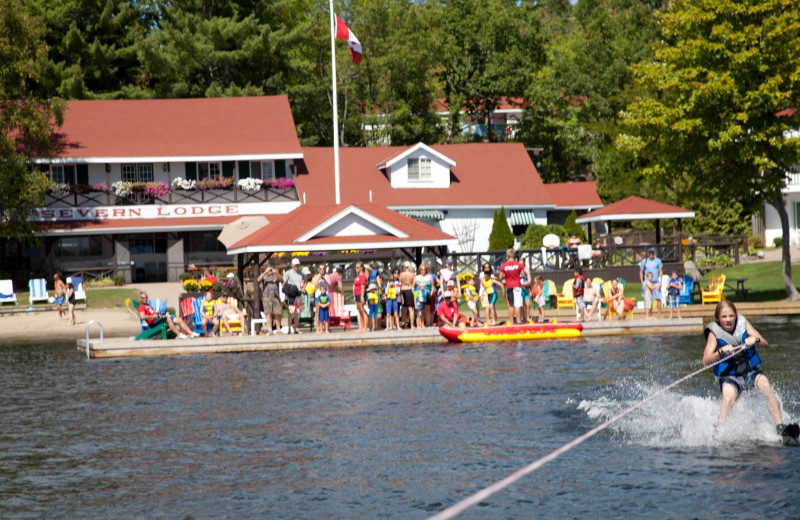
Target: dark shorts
[746,381]
[324,315]
[408,298]
[357,298]
[156,322]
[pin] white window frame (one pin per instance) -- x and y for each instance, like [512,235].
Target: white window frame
[210,172]
[262,165]
[422,170]
[137,172]
[63,173]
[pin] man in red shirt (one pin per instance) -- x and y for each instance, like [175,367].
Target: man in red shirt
[448,310]
[153,319]
[511,273]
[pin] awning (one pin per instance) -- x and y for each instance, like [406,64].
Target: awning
[521,217]
[423,214]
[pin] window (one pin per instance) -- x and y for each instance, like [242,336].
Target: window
[62,173]
[262,169]
[202,241]
[78,246]
[148,245]
[797,215]
[209,170]
[137,173]
[419,169]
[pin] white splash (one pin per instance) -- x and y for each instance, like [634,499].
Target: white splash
[678,420]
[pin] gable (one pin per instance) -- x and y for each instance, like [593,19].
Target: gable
[421,169]
[352,221]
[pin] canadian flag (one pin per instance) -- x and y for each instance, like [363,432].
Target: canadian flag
[343,32]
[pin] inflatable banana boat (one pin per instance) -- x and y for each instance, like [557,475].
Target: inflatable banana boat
[511,332]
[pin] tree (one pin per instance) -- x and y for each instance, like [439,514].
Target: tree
[570,226]
[25,120]
[718,103]
[501,237]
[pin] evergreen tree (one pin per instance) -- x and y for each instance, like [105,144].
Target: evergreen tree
[571,227]
[501,237]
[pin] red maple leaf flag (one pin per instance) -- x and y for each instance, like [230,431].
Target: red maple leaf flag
[343,32]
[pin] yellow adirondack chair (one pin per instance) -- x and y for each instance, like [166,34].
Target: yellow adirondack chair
[236,326]
[565,298]
[714,292]
[611,312]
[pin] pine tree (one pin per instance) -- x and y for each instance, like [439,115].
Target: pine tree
[501,237]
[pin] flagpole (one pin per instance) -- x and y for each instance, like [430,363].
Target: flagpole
[335,106]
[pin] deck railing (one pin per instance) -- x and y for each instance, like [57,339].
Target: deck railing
[233,195]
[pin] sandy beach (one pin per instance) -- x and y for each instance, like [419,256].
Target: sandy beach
[45,326]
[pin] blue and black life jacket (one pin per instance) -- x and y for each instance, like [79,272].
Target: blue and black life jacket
[741,363]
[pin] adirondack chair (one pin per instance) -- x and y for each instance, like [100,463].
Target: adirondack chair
[565,298]
[235,324]
[187,311]
[685,296]
[713,293]
[611,312]
[550,294]
[7,292]
[340,317]
[198,316]
[37,290]
[162,329]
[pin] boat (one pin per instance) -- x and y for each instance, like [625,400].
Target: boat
[511,332]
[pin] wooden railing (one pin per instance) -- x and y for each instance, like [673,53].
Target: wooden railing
[233,195]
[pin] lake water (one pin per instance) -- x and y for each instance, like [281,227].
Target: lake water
[397,432]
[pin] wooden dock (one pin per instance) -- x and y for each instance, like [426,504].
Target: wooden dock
[127,347]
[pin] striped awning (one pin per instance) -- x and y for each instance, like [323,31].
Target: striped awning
[522,217]
[423,214]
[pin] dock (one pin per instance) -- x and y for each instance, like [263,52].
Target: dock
[127,347]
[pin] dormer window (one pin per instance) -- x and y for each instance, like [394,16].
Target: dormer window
[419,169]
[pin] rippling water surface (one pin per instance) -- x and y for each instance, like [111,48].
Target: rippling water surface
[397,432]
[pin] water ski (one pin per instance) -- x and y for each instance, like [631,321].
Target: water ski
[790,434]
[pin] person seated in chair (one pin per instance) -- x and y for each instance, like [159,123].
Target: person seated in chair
[229,311]
[210,314]
[154,319]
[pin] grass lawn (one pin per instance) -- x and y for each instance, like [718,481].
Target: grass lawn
[95,298]
[764,281]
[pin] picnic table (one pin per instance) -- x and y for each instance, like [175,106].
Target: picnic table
[740,290]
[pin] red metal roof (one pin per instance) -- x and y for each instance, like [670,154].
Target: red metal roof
[177,128]
[574,194]
[489,174]
[284,231]
[636,208]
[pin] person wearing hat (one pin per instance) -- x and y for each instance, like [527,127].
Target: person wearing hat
[652,264]
[294,296]
[373,301]
[447,311]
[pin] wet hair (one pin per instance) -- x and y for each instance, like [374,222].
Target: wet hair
[485,265]
[723,305]
[579,270]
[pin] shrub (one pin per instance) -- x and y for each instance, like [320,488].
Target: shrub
[185,276]
[119,280]
[190,285]
[104,281]
[756,241]
[777,241]
[501,236]
[715,261]
[532,239]
[571,227]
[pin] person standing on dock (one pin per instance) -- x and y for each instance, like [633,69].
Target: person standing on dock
[294,297]
[271,298]
[511,274]
[652,264]
[407,292]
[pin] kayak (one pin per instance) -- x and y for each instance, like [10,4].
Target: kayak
[511,332]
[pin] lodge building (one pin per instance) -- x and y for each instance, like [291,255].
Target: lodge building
[143,188]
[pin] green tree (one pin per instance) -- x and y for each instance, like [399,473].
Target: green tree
[570,226]
[723,75]
[25,120]
[501,237]
[534,234]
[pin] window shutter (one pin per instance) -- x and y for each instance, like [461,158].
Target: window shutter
[191,171]
[280,169]
[244,169]
[227,168]
[82,174]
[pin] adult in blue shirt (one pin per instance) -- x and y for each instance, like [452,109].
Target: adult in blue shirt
[652,264]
